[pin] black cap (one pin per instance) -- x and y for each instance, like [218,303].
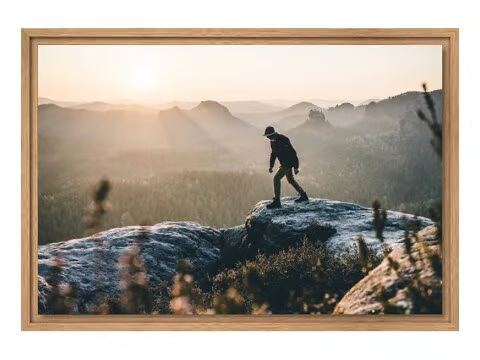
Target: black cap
[269,131]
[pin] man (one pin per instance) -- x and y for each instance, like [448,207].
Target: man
[287,156]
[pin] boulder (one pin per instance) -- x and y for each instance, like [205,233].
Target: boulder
[335,223]
[403,283]
[232,247]
[92,262]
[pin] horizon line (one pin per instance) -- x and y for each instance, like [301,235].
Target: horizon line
[166,101]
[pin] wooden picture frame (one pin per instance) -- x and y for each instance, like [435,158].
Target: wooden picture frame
[447,38]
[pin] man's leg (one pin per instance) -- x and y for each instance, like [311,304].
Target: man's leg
[277,181]
[303,195]
[293,182]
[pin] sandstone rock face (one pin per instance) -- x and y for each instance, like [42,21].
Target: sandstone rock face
[161,247]
[389,290]
[270,230]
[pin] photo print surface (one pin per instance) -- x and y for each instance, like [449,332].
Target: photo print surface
[239,179]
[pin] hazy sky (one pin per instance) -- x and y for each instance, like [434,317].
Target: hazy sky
[155,73]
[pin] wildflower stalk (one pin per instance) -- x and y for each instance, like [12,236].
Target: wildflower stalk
[95,213]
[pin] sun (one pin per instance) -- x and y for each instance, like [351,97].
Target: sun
[141,79]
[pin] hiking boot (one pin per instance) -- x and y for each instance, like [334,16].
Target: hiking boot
[275,204]
[303,198]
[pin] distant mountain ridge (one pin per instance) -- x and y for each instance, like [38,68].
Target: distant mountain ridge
[286,119]
[388,114]
[181,131]
[209,126]
[295,115]
[299,107]
[211,121]
[381,115]
[46,101]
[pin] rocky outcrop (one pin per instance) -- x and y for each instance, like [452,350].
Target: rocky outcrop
[162,245]
[93,262]
[233,243]
[403,283]
[335,223]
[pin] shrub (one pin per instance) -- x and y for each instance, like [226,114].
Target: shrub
[319,232]
[303,279]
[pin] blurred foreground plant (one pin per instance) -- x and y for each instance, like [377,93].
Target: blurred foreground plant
[135,297]
[61,297]
[187,298]
[421,291]
[432,121]
[95,212]
[435,127]
[425,298]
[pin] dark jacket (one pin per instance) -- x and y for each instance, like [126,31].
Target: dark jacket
[284,151]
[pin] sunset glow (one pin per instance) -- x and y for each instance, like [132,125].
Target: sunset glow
[155,73]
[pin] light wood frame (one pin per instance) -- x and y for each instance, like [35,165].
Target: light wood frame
[32,38]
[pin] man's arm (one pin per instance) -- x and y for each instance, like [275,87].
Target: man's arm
[273,157]
[296,163]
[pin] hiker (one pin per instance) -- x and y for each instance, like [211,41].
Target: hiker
[287,156]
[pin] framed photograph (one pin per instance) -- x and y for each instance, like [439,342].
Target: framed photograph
[240,179]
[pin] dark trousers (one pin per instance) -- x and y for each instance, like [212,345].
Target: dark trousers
[288,172]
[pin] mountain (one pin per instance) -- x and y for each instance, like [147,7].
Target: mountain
[105,106]
[372,115]
[345,114]
[326,103]
[333,103]
[120,129]
[45,101]
[290,122]
[184,105]
[93,106]
[225,128]
[89,130]
[212,110]
[314,118]
[344,140]
[317,141]
[300,108]
[209,133]
[366,102]
[287,118]
[219,121]
[179,131]
[323,103]
[125,105]
[235,107]
[316,121]
[57,121]
[249,107]
[208,126]
[396,111]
